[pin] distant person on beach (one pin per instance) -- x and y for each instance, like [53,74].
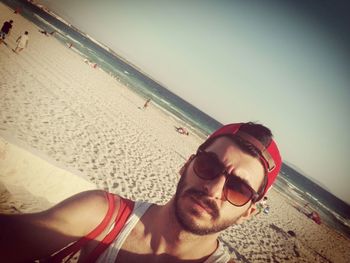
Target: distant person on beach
[182,130]
[22,42]
[5,30]
[315,217]
[17,11]
[94,65]
[219,186]
[46,33]
[146,103]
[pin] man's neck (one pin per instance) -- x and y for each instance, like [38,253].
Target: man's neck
[168,236]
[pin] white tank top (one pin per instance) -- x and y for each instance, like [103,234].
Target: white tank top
[109,256]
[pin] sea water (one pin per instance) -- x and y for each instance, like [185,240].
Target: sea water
[333,211]
[311,197]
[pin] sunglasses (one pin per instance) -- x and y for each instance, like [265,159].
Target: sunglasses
[207,166]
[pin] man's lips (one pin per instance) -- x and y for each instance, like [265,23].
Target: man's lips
[202,205]
[202,201]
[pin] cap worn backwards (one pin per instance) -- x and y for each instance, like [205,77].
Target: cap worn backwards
[269,156]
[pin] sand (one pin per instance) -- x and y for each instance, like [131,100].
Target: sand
[67,127]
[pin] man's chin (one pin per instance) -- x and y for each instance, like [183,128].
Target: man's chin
[198,226]
[193,218]
[198,220]
[194,225]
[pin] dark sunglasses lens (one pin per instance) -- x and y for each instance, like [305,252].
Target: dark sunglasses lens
[206,166]
[237,192]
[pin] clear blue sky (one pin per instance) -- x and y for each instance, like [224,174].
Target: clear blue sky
[281,63]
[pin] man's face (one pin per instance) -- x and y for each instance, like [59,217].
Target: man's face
[200,205]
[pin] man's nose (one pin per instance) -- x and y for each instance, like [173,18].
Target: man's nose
[215,188]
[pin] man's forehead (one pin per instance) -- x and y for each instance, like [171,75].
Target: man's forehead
[222,143]
[225,148]
[248,167]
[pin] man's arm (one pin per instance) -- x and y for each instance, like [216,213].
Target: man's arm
[33,236]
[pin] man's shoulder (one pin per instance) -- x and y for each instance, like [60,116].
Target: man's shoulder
[93,200]
[86,197]
[91,206]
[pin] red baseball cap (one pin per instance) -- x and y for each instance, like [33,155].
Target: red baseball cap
[269,156]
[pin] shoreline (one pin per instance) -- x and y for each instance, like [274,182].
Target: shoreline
[103,63]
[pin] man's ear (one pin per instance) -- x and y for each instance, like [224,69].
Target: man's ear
[184,166]
[251,211]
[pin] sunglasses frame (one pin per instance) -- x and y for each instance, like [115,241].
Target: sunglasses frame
[255,196]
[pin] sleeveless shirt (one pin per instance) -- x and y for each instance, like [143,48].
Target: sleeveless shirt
[110,255]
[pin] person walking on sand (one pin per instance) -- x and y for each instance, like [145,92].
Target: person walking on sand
[219,186]
[5,30]
[22,42]
[146,103]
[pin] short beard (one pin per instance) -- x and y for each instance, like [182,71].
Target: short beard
[185,219]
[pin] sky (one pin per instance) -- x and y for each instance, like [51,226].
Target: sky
[284,64]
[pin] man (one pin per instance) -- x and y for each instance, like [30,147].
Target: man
[218,187]
[5,30]
[262,206]
[22,42]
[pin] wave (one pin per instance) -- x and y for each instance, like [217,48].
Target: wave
[292,186]
[78,52]
[161,107]
[178,119]
[58,17]
[345,222]
[312,197]
[166,103]
[97,42]
[47,10]
[42,20]
[76,42]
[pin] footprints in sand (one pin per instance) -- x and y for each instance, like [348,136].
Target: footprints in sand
[3,148]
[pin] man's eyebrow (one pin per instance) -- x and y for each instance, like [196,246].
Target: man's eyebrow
[242,179]
[232,173]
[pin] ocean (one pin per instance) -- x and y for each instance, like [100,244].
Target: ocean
[333,211]
[311,197]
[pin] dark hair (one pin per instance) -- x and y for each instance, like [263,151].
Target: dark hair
[11,21]
[26,33]
[259,132]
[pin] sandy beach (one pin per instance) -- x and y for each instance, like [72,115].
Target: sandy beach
[67,127]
